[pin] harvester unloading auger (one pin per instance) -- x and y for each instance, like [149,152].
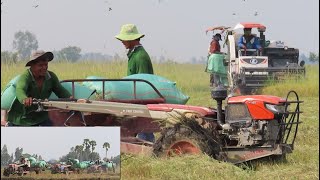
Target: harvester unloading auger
[248,127]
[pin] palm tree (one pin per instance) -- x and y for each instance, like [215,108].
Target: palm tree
[81,152]
[86,144]
[78,149]
[87,149]
[107,146]
[93,143]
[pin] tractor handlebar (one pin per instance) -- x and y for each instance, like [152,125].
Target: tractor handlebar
[40,108]
[36,101]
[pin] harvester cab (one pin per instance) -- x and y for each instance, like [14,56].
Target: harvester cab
[242,59]
[250,69]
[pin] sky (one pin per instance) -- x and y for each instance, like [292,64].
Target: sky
[54,142]
[174,29]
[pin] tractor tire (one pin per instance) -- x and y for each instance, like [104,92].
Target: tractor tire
[66,171]
[6,172]
[100,170]
[89,170]
[113,169]
[37,170]
[188,138]
[20,171]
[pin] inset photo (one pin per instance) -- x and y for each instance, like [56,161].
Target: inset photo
[60,153]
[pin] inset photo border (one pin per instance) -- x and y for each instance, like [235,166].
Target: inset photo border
[60,152]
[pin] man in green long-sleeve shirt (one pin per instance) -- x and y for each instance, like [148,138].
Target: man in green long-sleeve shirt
[36,82]
[138,59]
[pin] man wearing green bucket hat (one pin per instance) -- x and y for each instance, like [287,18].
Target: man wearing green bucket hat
[138,59]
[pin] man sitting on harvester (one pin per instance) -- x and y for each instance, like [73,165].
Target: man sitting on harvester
[249,41]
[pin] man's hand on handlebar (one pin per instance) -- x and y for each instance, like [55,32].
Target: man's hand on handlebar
[27,101]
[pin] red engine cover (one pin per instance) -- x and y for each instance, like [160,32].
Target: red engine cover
[256,105]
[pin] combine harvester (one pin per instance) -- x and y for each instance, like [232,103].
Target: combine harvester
[249,70]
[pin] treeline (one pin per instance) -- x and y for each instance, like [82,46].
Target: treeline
[7,158]
[83,152]
[25,42]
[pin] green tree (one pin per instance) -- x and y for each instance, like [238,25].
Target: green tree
[314,57]
[18,153]
[5,157]
[86,153]
[116,159]
[86,144]
[72,154]
[79,151]
[70,53]
[107,146]
[93,144]
[11,159]
[94,156]
[24,43]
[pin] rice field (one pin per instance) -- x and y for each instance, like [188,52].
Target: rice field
[191,79]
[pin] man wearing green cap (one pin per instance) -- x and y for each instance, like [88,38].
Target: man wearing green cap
[35,82]
[138,59]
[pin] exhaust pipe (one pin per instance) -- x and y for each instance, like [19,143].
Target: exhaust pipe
[219,94]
